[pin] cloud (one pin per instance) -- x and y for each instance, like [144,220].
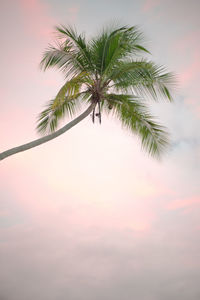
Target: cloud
[42,261]
[191,73]
[188,72]
[183,203]
[73,12]
[189,46]
[149,5]
[37,18]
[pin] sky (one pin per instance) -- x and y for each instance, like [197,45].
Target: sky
[90,215]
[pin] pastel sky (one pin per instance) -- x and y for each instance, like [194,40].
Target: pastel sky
[89,215]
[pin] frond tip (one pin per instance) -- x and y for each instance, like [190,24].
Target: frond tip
[135,116]
[49,118]
[65,103]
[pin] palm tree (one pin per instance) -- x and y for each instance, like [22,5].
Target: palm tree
[108,74]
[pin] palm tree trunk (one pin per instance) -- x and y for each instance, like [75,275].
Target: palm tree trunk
[49,137]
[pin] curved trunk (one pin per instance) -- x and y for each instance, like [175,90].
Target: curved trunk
[49,137]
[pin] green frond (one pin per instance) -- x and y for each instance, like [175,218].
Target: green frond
[65,103]
[71,89]
[49,118]
[113,45]
[144,78]
[80,45]
[63,57]
[135,116]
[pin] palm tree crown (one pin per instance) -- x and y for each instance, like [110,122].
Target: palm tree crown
[108,73]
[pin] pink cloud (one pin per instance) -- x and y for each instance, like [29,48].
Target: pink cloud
[191,72]
[4,212]
[37,18]
[183,203]
[16,132]
[73,13]
[150,5]
[189,66]
[83,207]
[188,40]
[189,46]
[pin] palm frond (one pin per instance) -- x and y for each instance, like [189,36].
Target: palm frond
[71,89]
[49,118]
[63,57]
[65,103]
[135,116]
[144,78]
[80,45]
[112,45]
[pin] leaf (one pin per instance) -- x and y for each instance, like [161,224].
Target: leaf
[135,116]
[70,89]
[144,78]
